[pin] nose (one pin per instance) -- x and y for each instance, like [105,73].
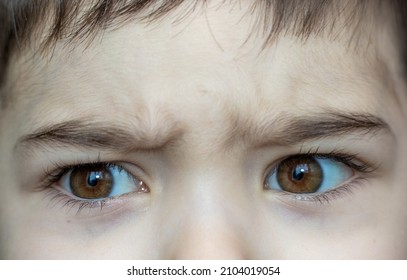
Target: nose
[207,241]
[208,221]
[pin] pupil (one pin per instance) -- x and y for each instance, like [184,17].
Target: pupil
[93,178]
[299,172]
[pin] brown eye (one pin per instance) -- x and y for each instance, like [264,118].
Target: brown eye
[101,180]
[302,174]
[309,174]
[91,182]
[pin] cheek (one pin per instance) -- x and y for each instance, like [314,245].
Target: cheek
[352,244]
[73,239]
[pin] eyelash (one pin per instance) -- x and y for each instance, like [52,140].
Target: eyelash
[65,200]
[329,196]
[346,189]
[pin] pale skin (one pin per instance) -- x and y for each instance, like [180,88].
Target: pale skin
[208,111]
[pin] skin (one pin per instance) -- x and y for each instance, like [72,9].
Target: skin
[201,84]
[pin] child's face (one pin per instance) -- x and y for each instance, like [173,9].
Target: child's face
[206,120]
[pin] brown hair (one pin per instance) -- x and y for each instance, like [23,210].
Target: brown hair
[23,21]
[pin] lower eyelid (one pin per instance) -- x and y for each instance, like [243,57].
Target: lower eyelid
[59,198]
[90,208]
[330,196]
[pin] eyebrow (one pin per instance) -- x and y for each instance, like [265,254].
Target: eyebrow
[98,135]
[283,131]
[291,130]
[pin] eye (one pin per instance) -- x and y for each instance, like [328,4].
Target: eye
[100,180]
[302,174]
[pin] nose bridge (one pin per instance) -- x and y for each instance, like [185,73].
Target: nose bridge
[207,220]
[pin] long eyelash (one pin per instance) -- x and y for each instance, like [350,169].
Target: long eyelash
[351,160]
[56,196]
[55,173]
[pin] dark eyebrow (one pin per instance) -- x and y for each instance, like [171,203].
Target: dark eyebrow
[289,130]
[282,131]
[98,135]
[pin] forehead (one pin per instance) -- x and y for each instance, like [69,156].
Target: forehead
[43,23]
[212,54]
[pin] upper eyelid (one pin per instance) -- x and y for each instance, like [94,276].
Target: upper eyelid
[365,167]
[59,170]
[350,160]
[65,169]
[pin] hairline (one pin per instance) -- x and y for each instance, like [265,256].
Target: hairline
[81,22]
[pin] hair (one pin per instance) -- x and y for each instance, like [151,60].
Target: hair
[46,22]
